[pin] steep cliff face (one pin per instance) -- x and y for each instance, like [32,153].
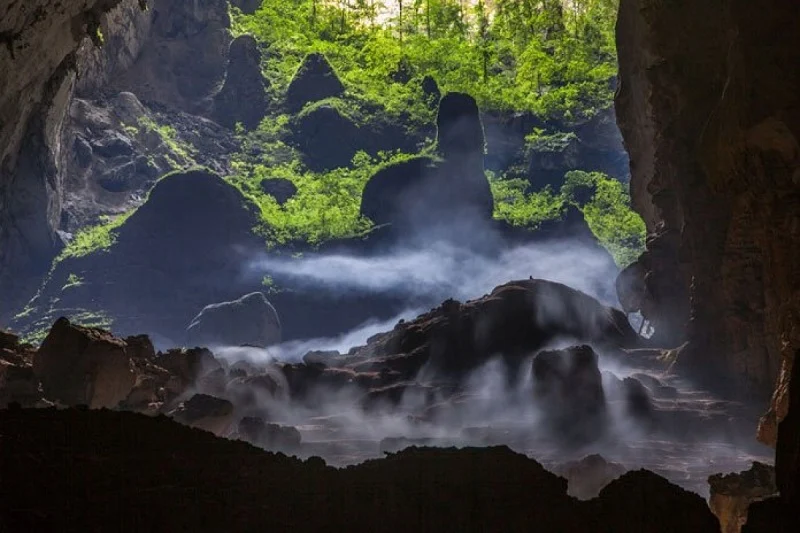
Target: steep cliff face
[69,152]
[710,114]
[41,40]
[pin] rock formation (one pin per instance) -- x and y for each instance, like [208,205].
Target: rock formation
[243,97]
[249,321]
[587,477]
[279,188]
[314,80]
[732,494]
[87,366]
[183,60]
[53,179]
[568,387]
[711,128]
[166,263]
[41,51]
[515,320]
[779,514]
[421,193]
[18,383]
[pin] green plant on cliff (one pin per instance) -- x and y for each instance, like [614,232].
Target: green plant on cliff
[604,201]
[608,213]
[326,206]
[93,238]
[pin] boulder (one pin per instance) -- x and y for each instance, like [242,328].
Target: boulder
[113,144]
[205,412]
[514,320]
[18,382]
[249,321]
[243,97]
[327,138]
[568,387]
[270,436]
[587,477]
[84,366]
[732,494]
[640,501]
[279,188]
[188,365]
[314,80]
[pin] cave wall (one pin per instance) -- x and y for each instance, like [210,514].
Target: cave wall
[40,42]
[710,113]
[170,54]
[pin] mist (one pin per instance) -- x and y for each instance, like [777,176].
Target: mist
[442,270]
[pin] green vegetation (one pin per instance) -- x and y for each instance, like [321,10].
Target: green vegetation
[326,205]
[611,219]
[94,238]
[604,201]
[169,136]
[552,57]
[73,280]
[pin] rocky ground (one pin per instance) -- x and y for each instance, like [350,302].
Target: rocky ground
[481,373]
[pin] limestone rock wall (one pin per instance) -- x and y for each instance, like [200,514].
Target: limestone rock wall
[709,111]
[41,40]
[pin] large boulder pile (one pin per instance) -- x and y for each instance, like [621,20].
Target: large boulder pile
[249,321]
[243,97]
[314,80]
[425,192]
[516,319]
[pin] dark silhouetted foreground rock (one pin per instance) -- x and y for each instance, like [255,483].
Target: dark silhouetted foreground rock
[249,321]
[116,471]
